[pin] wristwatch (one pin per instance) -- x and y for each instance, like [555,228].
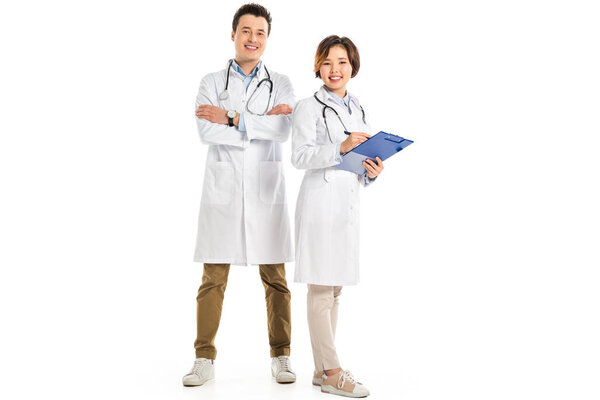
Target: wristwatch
[230,116]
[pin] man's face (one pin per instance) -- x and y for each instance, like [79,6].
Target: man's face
[250,38]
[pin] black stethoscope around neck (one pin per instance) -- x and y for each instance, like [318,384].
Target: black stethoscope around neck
[225,93]
[325,107]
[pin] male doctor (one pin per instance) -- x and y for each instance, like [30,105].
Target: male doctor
[243,115]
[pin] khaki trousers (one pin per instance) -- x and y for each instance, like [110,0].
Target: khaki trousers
[210,303]
[322,309]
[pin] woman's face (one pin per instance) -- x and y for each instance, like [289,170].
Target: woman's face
[336,69]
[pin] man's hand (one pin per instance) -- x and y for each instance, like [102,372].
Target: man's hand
[373,169]
[212,114]
[353,140]
[280,109]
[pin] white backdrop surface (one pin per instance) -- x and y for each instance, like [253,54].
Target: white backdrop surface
[479,253]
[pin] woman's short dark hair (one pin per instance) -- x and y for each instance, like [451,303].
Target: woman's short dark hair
[334,40]
[253,9]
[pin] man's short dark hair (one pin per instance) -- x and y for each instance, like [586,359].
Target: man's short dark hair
[254,9]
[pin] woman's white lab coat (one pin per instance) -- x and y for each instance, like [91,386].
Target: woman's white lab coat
[327,219]
[243,213]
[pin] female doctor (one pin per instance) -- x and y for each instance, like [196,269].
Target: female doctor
[325,126]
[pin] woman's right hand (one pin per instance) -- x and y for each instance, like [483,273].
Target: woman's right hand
[353,140]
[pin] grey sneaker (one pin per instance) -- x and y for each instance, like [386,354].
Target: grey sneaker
[282,370]
[202,371]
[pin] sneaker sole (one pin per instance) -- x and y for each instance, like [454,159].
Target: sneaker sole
[317,381]
[191,384]
[332,390]
[195,384]
[285,380]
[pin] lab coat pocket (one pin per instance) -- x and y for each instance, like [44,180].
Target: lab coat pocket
[272,186]
[218,183]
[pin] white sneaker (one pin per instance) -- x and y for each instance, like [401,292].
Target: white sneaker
[282,370]
[343,384]
[203,370]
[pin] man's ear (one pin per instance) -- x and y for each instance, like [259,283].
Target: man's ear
[232,36]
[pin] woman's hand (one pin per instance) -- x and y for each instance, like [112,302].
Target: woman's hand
[373,169]
[353,140]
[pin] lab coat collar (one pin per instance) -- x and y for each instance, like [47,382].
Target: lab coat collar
[326,96]
[261,74]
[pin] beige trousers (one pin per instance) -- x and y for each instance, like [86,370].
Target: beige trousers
[322,310]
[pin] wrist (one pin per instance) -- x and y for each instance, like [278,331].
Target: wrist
[236,120]
[231,115]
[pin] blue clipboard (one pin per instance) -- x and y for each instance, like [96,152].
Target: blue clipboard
[382,145]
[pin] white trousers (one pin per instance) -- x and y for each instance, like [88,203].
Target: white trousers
[322,310]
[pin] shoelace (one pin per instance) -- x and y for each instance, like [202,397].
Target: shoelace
[198,364]
[283,363]
[345,376]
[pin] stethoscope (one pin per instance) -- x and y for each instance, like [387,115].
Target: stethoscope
[325,107]
[225,93]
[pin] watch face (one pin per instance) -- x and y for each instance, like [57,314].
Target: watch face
[231,114]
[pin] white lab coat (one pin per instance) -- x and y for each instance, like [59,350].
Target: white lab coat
[243,213]
[327,219]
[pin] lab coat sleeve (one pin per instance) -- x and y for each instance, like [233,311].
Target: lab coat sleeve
[272,127]
[210,132]
[306,153]
[365,180]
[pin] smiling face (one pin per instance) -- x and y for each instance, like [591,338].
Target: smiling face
[250,38]
[336,70]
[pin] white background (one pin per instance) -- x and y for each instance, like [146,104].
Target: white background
[479,255]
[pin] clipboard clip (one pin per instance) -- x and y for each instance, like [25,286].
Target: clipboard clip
[394,139]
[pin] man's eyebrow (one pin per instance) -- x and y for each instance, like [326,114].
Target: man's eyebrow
[247,27]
